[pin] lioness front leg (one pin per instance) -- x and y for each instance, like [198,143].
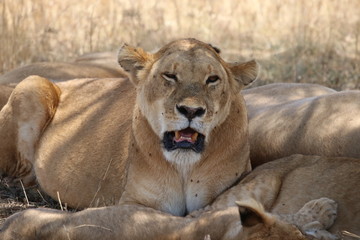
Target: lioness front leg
[30,108]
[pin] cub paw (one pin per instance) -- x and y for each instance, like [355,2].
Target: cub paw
[315,230]
[322,211]
[207,237]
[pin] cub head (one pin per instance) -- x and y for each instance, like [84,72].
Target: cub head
[260,225]
[184,91]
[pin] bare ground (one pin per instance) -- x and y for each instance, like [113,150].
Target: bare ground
[14,198]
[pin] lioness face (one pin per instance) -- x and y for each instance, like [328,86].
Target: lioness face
[185,96]
[184,91]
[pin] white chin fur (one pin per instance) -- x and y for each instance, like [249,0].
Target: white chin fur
[182,157]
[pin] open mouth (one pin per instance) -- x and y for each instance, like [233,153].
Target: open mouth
[187,138]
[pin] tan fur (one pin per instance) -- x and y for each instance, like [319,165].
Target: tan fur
[61,71]
[120,222]
[259,225]
[288,202]
[68,145]
[261,102]
[325,124]
[135,222]
[285,185]
[260,98]
[22,121]
[106,144]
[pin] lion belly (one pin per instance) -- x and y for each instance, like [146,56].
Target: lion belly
[82,154]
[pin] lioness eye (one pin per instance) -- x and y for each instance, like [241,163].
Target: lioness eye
[170,77]
[212,79]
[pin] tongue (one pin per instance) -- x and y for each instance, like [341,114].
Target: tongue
[187,134]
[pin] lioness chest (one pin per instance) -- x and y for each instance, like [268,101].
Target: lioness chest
[163,186]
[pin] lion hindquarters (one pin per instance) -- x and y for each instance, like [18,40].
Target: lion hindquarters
[28,111]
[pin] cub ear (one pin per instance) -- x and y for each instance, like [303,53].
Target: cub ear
[253,213]
[133,60]
[245,73]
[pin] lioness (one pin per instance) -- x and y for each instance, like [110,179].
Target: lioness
[61,71]
[326,125]
[260,98]
[175,145]
[289,188]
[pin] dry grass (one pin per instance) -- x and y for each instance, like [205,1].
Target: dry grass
[314,41]
[295,40]
[13,198]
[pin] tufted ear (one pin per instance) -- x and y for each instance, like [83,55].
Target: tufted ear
[245,73]
[253,213]
[133,60]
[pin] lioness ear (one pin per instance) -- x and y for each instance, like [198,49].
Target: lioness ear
[132,60]
[253,213]
[217,50]
[245,73]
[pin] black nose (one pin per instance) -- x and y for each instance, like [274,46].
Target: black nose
[190,112]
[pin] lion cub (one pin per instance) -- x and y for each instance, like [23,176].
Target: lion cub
[247,221]
[285,185]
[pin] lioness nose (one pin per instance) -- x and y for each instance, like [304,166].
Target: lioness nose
[190,112]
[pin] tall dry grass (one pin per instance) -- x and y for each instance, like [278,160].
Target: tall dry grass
[294,40]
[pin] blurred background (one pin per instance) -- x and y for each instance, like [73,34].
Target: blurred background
[313,41]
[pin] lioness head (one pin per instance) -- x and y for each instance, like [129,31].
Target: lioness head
[185,91]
